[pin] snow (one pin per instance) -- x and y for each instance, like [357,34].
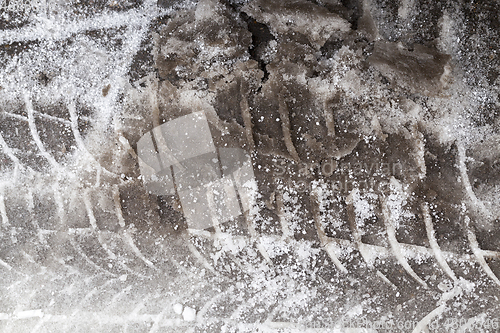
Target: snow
[189,314]
[178,308]
[317,91]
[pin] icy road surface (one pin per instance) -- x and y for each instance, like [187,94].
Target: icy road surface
[249,166]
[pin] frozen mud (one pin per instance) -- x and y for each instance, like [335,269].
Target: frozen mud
[249,166]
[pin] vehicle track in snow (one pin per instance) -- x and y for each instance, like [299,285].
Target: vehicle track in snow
[395,229]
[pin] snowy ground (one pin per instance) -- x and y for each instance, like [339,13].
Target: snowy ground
[372,203]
